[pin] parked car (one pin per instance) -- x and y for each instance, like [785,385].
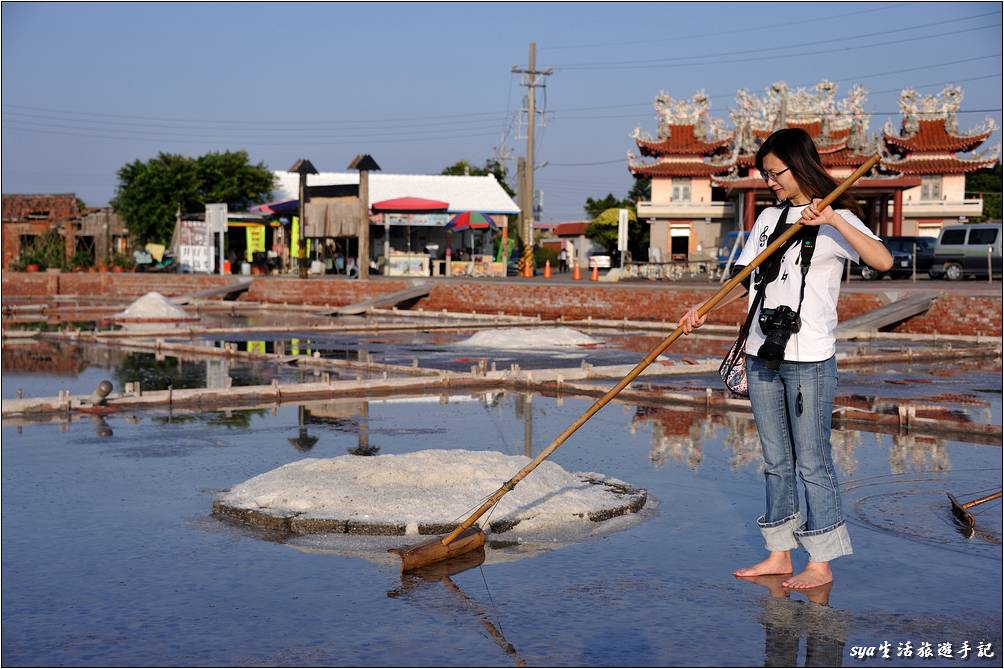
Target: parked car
[728,243]
[902,249]
[966,250]
[600,259]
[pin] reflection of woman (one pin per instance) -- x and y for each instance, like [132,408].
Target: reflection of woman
[792,384]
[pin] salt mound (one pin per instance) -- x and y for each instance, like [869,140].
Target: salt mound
[529,338]
[153,307]
[427,492]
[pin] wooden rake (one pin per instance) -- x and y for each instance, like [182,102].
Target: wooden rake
[466,538]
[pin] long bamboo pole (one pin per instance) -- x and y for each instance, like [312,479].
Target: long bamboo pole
[655,353]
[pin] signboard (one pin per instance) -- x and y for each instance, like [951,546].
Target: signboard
[417,220]
[622,229]
[255,238]
[408,265]
[195,258]
[195,247]
[216,217]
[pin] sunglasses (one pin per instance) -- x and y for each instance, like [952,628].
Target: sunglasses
[771,174]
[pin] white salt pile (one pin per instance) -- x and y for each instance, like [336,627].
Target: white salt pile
[529,338]
[154,307]
[432,488]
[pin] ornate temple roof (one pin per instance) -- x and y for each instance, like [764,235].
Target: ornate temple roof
[678,168]
[839,128]
[934,164]
[682,139]
[934,136]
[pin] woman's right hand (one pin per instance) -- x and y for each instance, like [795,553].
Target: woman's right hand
[691,321]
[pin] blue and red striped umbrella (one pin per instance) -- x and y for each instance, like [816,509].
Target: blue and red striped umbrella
[471,220]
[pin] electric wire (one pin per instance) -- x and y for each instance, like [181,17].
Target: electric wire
[717,33]
[784,53]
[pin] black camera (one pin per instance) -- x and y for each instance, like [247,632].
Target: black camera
[777,325]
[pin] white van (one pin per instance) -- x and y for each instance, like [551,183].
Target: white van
[967,250]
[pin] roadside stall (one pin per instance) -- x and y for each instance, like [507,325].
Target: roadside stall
[414,237]
[476,258]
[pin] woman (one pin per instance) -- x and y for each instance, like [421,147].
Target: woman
[792,398]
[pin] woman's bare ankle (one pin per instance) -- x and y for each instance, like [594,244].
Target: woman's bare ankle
[777,562]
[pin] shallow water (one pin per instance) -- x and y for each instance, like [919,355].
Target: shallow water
[111,556]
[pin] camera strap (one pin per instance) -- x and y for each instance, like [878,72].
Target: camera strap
[808,237]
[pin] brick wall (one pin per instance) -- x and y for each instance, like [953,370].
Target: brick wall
[959,314]
[319,291]
[952,313]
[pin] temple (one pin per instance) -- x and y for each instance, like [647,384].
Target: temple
[705,183]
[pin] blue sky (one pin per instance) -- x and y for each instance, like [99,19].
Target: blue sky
[88,87]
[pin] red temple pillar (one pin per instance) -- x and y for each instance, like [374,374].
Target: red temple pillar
[897,213]
[749,210]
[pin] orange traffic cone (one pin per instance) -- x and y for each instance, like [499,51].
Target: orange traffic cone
[527,269]
[596,273]
[547,268]
[576,273]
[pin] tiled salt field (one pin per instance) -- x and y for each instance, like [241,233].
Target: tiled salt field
[111,555]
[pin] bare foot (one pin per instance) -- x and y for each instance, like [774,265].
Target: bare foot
[815,575]
[778,562]
[772,582]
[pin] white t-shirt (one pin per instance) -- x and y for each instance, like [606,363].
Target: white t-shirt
[816,340]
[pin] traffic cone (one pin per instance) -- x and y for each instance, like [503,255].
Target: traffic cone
[547,268]
[596,273]
[576,273]
[528,269]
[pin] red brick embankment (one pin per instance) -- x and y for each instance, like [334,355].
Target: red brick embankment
[952,313]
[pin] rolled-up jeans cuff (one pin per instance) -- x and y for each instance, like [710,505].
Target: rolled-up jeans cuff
[826,544]
[780,535]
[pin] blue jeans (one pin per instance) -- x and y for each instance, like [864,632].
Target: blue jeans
[798,444]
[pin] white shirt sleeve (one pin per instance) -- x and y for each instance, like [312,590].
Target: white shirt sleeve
[843,248]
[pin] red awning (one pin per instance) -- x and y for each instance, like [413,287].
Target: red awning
[409,204]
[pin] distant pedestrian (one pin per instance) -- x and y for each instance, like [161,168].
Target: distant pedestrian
[563,260]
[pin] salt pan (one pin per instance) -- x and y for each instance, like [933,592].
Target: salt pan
[529,338]
[432,488]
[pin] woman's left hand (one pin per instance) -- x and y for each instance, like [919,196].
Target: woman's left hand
[812,216]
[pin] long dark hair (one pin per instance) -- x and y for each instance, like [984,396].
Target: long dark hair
[794,147]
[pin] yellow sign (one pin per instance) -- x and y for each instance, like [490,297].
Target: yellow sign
[294,238]
[256,240]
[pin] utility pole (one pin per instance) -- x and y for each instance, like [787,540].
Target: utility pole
[532,82]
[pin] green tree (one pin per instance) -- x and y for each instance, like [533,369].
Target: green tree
[987,183]
[603,229]
[149,194]
[491,166]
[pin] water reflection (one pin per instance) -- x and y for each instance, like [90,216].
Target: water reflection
[101,427]
[918,453]
[786,621]
[417,585]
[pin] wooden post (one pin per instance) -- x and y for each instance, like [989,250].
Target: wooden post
[897,213]
[364,224]
[749,210]
[365,164]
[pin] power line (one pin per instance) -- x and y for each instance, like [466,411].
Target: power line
[283,125]
[717,33]
[787,46]
[285,122]
[288,142]
[745,57]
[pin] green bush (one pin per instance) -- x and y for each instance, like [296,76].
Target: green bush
[123,260]
[81,260]
[48,251]
[540,255]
